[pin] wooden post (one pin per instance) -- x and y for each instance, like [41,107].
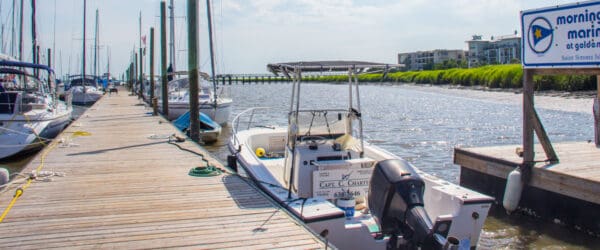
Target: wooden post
[528,153]
[83,53]
[543,137]
[131,76]
[152,98]
[127,75]
[596,109]
[534,123]
[49,58]
[141,90]
[52,88]
[163,58]
[135,75]
[192,13]
[21,30]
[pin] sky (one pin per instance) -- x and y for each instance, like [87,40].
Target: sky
[249,34]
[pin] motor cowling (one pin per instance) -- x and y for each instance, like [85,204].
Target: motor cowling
[396,202]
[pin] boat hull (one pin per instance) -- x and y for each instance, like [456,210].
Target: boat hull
[443,200]
[220,115]
[89,97]
[22,136]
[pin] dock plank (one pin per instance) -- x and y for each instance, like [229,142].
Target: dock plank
[125,186]
[576,175]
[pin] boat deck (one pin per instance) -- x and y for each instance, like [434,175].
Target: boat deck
[124,186]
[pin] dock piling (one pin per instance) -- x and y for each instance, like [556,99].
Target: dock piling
[152,97]
[163,58]
[192,13]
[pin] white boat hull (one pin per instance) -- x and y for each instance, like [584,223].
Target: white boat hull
[25,134]
[87,97]
[30,113]
[220,115]
[442,199]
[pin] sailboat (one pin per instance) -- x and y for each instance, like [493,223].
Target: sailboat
[355,194]
[84,89]
[218,108]
[30,112]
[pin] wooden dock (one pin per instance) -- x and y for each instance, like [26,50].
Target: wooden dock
[124,186]
[567,192]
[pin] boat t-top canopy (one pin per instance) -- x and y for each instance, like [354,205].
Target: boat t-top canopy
[7,63]
[327,66]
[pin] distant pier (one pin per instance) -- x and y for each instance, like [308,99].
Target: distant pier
[229,79]
[117,178]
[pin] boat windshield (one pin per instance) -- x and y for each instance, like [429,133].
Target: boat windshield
[325,123]
[183,83]
[83,81]
[13,80]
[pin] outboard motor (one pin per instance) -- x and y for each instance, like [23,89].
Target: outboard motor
[396,202]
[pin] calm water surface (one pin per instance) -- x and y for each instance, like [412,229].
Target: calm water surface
[424,124]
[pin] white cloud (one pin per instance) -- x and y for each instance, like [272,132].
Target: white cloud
[251,34]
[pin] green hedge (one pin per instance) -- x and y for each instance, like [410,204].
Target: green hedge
[492,76]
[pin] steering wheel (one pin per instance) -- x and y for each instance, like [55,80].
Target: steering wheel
[314,139]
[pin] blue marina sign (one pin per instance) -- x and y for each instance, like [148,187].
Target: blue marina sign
[566,36]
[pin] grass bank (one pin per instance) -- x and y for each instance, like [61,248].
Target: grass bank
[491,76]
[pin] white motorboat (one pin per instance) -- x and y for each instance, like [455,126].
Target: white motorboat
[84,90]
[218,108]
[30,113]
[356,195]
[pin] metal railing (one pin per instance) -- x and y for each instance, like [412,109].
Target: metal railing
[236,121]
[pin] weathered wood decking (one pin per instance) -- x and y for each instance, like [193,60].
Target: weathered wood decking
[125,187]
[568,191]
[576,175]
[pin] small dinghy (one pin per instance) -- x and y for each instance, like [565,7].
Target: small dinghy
[209,129]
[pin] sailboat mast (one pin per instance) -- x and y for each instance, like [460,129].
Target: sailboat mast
[33,33]
[212,54]
[107,62]
[21,32]
[13,40]
[172,35]
[96,46]
[83,56]
[54,37]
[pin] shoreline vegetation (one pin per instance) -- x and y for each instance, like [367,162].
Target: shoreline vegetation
[506,76]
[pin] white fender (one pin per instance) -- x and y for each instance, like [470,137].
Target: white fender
[4,176]
[512,191]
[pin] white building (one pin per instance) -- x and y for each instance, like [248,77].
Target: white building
[499,50]
[420,59]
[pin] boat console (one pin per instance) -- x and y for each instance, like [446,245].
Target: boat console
[324,169]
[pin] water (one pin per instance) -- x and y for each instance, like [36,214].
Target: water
[424,124]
